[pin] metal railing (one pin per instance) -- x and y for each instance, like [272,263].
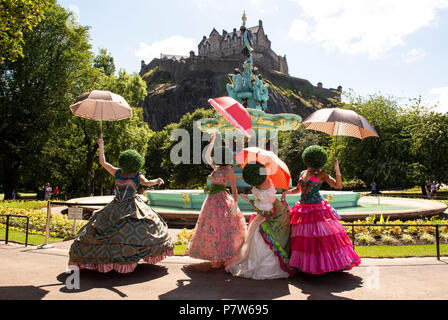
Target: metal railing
[437,226]
[62,203]
[7,226]
[353,226]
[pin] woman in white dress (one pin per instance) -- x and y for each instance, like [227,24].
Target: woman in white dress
[265,254]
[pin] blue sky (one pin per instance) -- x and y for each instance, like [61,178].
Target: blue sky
[396,47]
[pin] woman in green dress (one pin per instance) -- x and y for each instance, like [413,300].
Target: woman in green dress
[127,230]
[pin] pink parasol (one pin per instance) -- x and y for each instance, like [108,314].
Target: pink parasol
[101,106]
[233,112]
[276,169]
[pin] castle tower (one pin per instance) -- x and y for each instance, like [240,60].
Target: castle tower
[228,45]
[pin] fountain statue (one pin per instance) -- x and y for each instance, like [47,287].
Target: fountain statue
[249,89]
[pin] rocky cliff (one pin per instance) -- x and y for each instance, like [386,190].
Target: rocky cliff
[176,87]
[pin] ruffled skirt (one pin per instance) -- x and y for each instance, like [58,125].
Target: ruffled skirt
[120,235]
[319,242]
[218,235]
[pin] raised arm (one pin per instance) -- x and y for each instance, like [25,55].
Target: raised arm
[334,183]
[149,183]
[109,168]
[231,177]
[296,190]
[208,153]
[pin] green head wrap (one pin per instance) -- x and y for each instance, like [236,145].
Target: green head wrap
[130,161]
[254,174]
[315,157]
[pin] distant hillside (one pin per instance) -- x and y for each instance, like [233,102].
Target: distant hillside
[179,86]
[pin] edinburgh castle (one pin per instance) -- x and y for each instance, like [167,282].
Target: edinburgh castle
[181,84]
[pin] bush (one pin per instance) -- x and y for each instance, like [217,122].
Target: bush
[365,239]
[60,225]
[444,237]
[353,185]
[408,239]
[388,239]
[428,238]
[23,204]
[184,237]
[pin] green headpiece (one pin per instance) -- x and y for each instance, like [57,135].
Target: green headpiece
[130,161]
[222,156]
[315,157]
[254,174]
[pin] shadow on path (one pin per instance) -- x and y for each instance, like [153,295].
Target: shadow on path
[324,287]
[95,280]
[216,284]
[22,293]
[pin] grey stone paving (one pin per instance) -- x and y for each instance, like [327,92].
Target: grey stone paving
[31,273]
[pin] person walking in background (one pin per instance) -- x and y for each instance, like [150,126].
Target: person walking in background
[319,242]
[434,188]
[56,192]
[47,191]
[13,195]
[428,189]
[221,228]
[374,187]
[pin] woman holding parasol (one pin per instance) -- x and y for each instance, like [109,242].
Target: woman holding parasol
[126,231]
[319,242]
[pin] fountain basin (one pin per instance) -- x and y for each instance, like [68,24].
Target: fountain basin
[193,199]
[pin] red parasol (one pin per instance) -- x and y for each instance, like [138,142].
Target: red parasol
[276,169]
[233,112]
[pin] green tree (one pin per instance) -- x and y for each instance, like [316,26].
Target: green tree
[293,143]
[428,146]
[17,17]
[105,62]
[384,160]
[37,89]
[178,176]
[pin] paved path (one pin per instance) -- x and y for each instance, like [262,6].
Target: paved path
[31,273]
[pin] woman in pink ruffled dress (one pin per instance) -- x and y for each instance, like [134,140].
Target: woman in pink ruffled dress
[319,242]
[221,227]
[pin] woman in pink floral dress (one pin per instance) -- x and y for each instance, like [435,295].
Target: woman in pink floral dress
[221,227]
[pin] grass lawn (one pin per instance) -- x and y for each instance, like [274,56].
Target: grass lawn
[22,196]
[363,252]
[401,251]
[33,239]
[179,250]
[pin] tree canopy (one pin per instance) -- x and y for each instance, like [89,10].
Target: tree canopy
[17,17]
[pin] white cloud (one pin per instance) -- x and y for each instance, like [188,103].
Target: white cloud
[176,45]
[441,102]
[414,55]
[299,30]
[365,26]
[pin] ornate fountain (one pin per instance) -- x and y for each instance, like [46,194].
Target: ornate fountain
[248,88]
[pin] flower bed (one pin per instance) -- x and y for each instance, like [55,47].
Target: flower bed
[396,235]
[60,225]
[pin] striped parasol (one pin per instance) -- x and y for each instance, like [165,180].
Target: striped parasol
[234,113]
[340,122]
